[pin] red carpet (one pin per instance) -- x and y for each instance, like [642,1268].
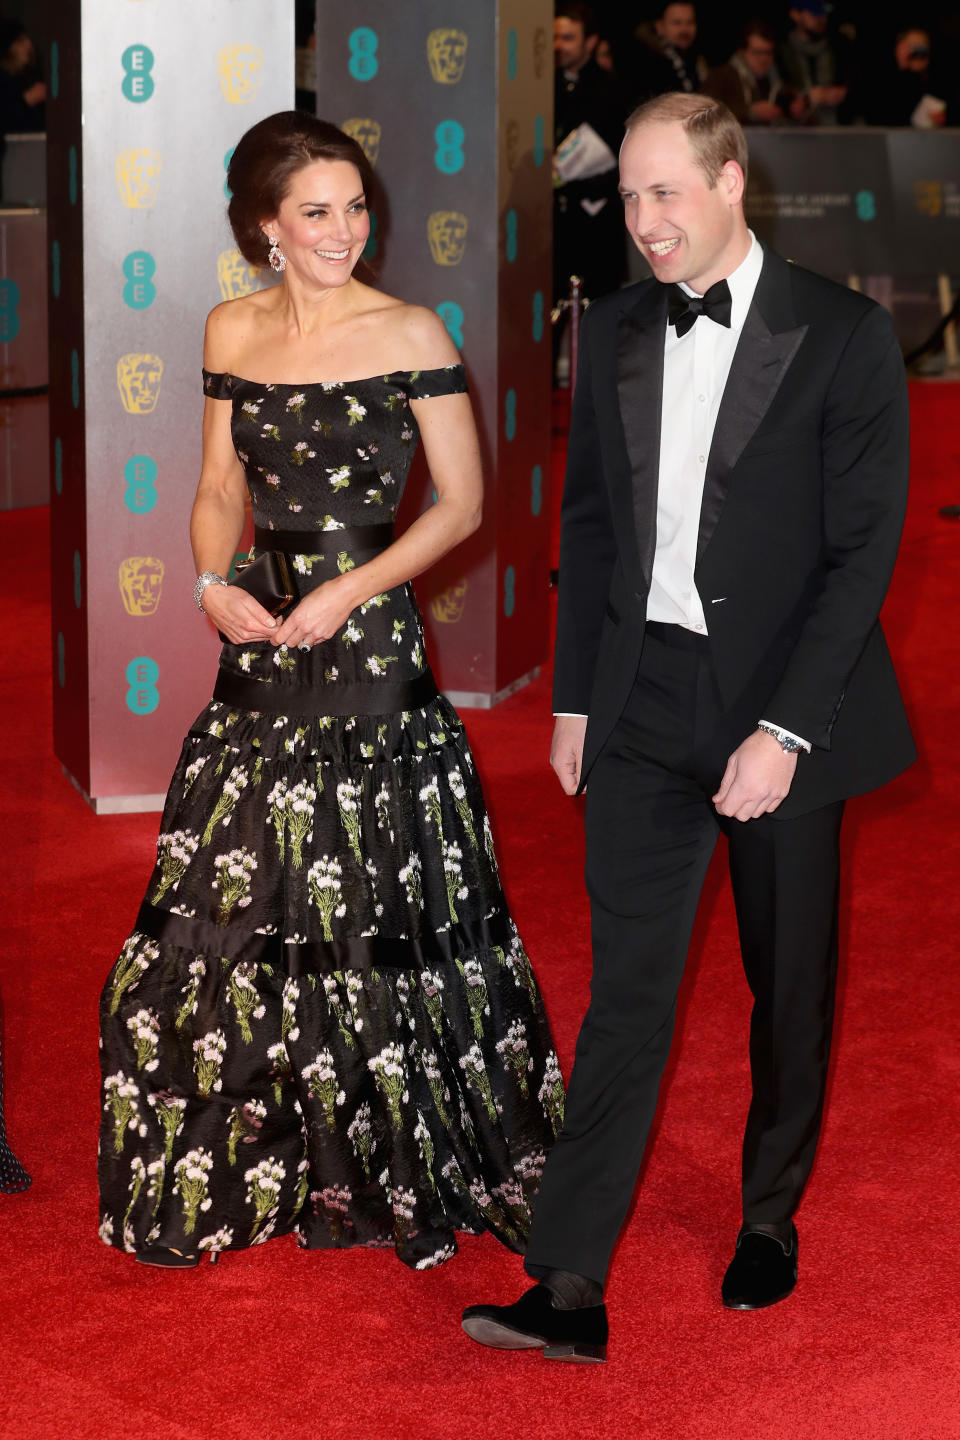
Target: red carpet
[275,1343]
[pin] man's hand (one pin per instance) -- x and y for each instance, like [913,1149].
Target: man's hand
[764,112]
[566,750]
[758,776]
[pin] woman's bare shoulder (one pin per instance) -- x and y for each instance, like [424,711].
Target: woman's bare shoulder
[411,337]
[231,328]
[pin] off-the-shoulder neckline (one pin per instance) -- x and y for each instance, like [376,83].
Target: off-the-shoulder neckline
[329,384]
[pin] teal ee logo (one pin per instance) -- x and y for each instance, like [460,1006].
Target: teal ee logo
[512,48]
[58,465]
[538,145]
[510,414]
[509,591]
[75,379]
[536,490]
[55,268]
[511,227]
[363,63]
[9,313]
[226,165]
[538,316]
[54,70]
[72,174]
[61,661]
[142,675]
[866,205]
[448,156]
[140,474]
[137,62]
[139,269]
[452,316]
[373,244]
[77,572]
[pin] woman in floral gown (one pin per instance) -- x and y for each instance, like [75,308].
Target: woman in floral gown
[324,1021]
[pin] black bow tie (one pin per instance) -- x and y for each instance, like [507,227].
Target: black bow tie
[683,309]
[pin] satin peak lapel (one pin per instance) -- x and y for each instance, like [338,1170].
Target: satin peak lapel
[640,393]
[761,361]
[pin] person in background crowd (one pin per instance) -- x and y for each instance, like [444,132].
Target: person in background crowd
[749,83]
[815,65]
[603,54]
[588,237]
[906,91]
[668,58]
[23,93]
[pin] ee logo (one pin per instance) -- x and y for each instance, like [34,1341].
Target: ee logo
[538,146]
[139,269]
[142,675]
[512,224]
[512,46]
[866,205]
[9,313]
[509,591]
[452,316]
[538,316]
[140,474]
[373,244]
[510,414]
[448,156]
[226,165]
[363,63]
[536,490]
[137,62]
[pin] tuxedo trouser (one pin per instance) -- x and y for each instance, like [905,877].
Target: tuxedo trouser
[651,828]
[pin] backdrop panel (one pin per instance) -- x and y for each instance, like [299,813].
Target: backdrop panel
[452,103]
[140,252]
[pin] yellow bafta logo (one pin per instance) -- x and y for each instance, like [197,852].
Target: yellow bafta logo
[447,55]
[447,233]
[447,607]
[239,69]
[366,132]
[540,47]
[138,175]
[928,196]
[235,275]
[138,380]
[141,581]
[511,144]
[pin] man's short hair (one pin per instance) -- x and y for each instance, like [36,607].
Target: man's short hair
[715,136]
[761,28]
[662,9]
[582,14]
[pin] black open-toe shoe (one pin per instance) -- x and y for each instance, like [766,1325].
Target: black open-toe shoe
[170,1259]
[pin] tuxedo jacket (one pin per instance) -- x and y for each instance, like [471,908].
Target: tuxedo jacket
[803,505]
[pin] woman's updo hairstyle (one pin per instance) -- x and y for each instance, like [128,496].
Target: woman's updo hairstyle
[266,160]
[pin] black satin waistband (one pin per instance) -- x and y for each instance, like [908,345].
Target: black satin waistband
[384,697]
[323,957]
[307,542]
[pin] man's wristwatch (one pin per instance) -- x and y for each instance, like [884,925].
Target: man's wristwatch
[788,743]
[209,577]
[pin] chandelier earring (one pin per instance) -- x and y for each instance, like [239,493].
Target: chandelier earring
[276,257]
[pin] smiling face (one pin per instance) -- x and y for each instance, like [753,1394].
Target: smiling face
[571,47]
[322,224]
[684,229]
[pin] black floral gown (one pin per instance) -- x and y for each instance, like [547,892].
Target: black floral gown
[325,1021]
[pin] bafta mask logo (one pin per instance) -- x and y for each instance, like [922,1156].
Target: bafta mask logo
[447,233]
[235,275]
[928,196]
[141,581]
[138,175]
[239,68]
[511,144]
[138,380]
[366,132]
[447,55]
[448,606]
[539,51]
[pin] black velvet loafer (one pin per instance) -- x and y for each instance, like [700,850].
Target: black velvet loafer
[534,1323]
[763,1271]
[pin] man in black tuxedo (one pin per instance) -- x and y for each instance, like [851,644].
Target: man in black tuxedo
[735,491]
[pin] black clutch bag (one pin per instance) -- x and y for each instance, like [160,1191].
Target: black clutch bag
[269,579]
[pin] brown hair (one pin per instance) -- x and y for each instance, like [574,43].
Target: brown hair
[715,136]
[266,160]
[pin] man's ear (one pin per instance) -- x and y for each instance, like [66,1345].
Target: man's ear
[731,177]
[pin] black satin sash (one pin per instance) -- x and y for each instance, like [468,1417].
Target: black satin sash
[319,957]
[312,542]
[385,697]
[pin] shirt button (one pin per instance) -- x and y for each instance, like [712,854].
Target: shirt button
[702,459]
[702,399]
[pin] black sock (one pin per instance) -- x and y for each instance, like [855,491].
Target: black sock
[570,1291]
